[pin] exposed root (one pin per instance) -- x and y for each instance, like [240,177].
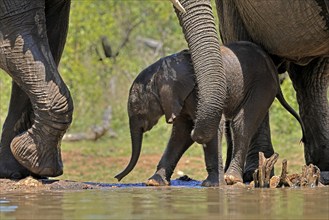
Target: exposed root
[309,177]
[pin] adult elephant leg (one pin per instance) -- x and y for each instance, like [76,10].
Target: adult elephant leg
[180,141]
[57,21]
[311,85]
[261,142]
[25,55]
[20,109]
[200,33]
[18,120]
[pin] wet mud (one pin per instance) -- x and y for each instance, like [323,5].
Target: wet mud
[31,184]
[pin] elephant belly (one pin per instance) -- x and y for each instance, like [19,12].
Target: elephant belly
[9,8]
[296,30]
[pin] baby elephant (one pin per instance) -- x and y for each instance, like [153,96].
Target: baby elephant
[168,88]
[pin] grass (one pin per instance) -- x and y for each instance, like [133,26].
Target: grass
[100,161]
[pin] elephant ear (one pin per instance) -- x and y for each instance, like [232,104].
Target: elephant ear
[177,80]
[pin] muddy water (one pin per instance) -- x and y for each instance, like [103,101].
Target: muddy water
[167,203]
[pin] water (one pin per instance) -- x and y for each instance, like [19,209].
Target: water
[167,203]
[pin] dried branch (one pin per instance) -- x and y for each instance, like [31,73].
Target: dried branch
[263,174]
[95,132]
[310,176]
[107,46]
[126,39]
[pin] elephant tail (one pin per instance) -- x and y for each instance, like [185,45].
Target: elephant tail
[137,138]
[130,166]
[284,103]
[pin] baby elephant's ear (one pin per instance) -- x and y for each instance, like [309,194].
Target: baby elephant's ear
[177,82]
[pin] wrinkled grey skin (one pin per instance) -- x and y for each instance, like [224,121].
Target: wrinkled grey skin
[168,88]
[32,38]
[296,34]
[202,38]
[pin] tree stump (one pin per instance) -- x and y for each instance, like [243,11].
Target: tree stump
[262,175]
[309,177]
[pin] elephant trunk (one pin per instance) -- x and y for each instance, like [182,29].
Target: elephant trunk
[136,134]
[200,33]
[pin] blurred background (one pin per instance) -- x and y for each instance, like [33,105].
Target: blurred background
[109,43]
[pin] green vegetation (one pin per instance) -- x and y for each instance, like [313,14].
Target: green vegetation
[96,84]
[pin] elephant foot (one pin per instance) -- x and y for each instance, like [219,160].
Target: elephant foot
[248,176]
[324,177]
[157,180]
[232,178]
[40,160]
[211,181]
[10,168]
[207,183]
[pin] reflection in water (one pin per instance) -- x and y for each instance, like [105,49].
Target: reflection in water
[6,208]
[167,203]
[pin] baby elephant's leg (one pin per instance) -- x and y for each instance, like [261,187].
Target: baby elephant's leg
[234,172]
[179,142]
[261,142]
[214,163]
[243,126]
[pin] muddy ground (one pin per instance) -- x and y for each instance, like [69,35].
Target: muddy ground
[80,171]
[30,184]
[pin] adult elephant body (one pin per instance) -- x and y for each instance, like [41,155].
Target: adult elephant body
[296,34]
[294,30]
